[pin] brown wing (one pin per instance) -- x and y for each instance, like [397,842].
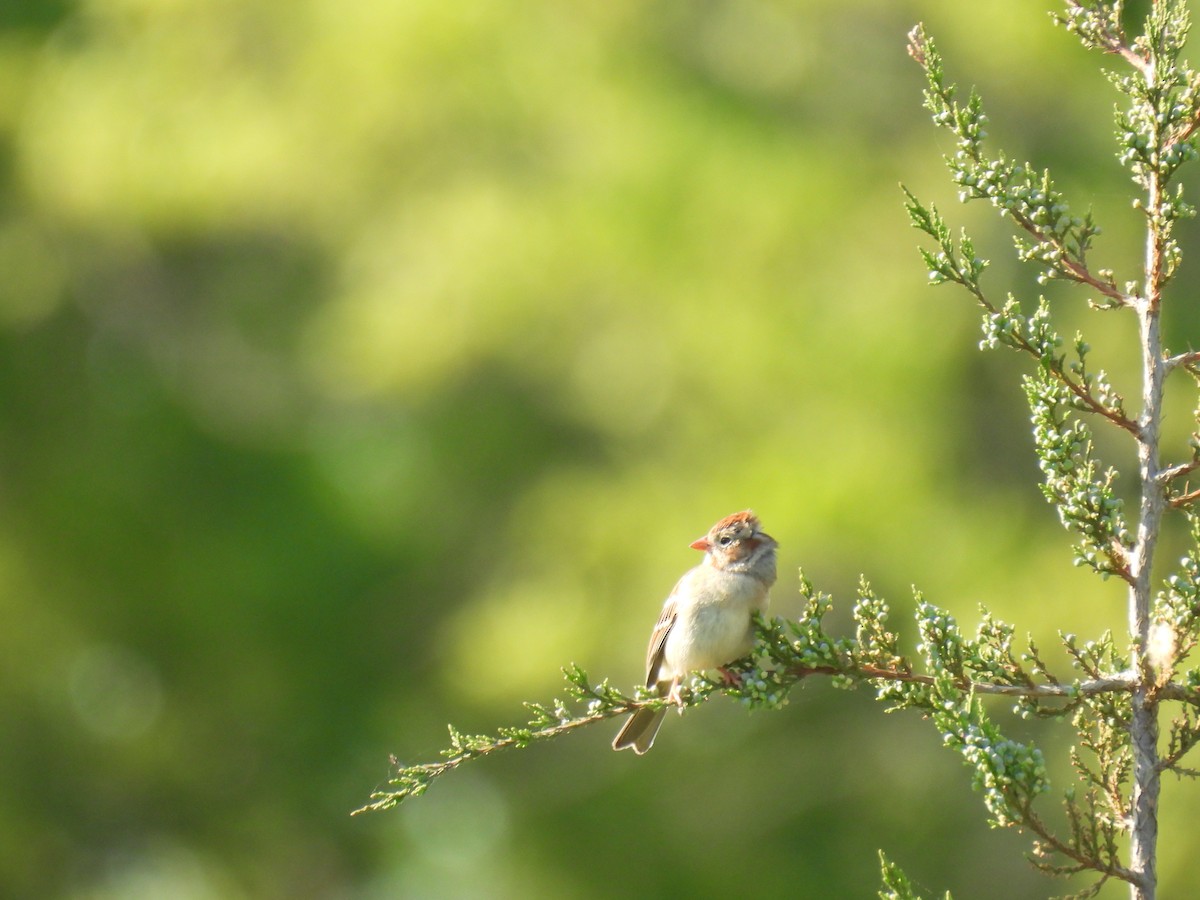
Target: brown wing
[658,642]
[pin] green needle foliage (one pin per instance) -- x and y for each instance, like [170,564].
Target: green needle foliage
[1117,683]
[896,884]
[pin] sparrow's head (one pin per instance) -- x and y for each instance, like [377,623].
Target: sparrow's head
[738,544]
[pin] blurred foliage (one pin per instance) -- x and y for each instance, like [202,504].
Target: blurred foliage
[363,363]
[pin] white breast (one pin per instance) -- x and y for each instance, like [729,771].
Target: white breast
[713,626]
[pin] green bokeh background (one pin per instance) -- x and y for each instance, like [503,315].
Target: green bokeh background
[362,363]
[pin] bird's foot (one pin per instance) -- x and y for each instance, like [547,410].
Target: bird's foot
[730,678]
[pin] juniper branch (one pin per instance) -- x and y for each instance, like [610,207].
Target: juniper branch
[599,702]
[1029,198]
[1082,859]
[1006,324]
[786,654]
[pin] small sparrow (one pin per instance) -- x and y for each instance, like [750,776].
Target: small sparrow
[706,621]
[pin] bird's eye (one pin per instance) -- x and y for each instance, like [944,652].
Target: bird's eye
[725,540]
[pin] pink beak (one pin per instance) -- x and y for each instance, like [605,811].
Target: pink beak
[701,544]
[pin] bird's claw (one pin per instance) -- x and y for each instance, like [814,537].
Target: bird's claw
[675,696]
[730,678]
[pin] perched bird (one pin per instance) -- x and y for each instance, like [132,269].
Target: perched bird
[706,621]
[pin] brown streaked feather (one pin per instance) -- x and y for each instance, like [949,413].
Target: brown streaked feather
[658,642]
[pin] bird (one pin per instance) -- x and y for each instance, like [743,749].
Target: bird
[706,621]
